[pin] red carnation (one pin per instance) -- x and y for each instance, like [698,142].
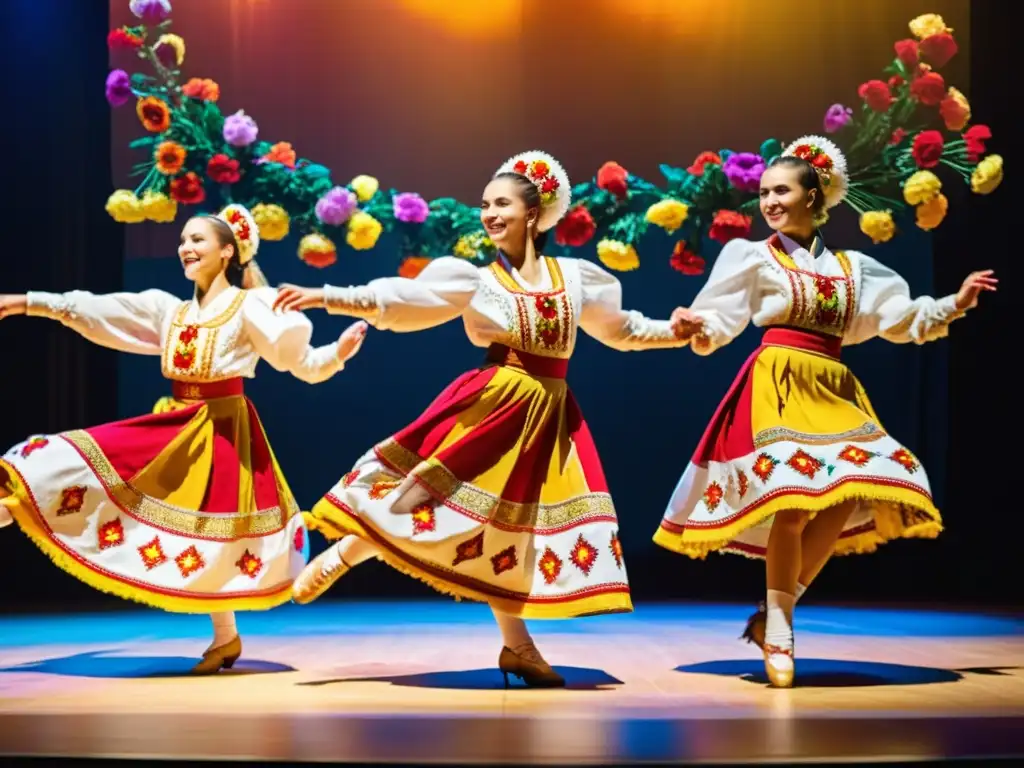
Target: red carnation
[897,136]
[576,228]
[975,138]
[612,177]
[121,39]
[939,49]
[895,82]
[550,184]
[520,168]
[906,51]
[929,88]
[686,261]
[728,225]
[876,95]
[702,160]
[223,169]
[188,189]
[927,149]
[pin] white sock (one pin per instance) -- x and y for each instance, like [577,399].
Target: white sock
[513,629]
[224,629]
[800,589]
[779,627]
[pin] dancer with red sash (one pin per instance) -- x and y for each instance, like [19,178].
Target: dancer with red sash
[185,510]
[496,492]
[795,465]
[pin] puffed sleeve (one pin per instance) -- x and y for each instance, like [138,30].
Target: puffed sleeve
[886,309]
[603,317]
[127,322]
[282,339]
[441,292]
[725,301]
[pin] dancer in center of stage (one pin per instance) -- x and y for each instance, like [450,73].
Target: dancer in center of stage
[495,493]
[185,510]
[795,464]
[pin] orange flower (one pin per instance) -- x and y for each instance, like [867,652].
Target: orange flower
[170,157]
[201,88]
[412,266]
[154,114]
[955,110]
[282,153]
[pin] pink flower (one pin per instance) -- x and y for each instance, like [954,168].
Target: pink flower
[119,88]
[410,207]
[836,117]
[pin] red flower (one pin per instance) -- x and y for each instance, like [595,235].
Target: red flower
[927,149]
[702,160]
[223,169]
[876,95]
[939,49]
[547,307]
[120,38]
[826,288]
[188,189]
[728,225]
[975,138]
[188,334]
[929,88]
[897,136]
[411,266]
[299,541]
[906,51]
[685,261]
[540,170]
[549,185]
[612,177]
[576,228]
[895,82]
[520,168]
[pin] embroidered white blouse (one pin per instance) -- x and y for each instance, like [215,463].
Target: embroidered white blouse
[222,340]
[846,294]
[498,306]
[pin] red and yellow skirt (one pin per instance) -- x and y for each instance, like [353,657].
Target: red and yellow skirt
[796,431]
[185,510]
[495,493]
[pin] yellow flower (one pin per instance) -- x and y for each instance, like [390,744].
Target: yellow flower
[618,256]
[363,231]
[927,25]
[921,187]
[176,43]
[987,175]
[931,214]
[124,207]
[469,246]
[669,214]
[317,251]
[365,187]
[158,207]
[878,225]
[272,220]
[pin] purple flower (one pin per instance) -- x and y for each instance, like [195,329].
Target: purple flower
[240,130]
[151,11]
[336,206]
[744,170]
[836,117]
[411,207]
[119,87]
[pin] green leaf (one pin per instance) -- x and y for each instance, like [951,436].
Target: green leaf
[770,149]
[143,141]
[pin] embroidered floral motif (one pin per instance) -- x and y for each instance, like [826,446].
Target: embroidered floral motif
[905,459]
[185,351]
[763,467]
[189,562]
[152,554]
[299,541]
[423,519]
[743,482]
[505,560]
[583,555]
[549,565]
[110,534]
[71,500]
[547,325]
[713,496]
[827,296]
[856,456]
[470,549]
[382,488]
[249,564]
[616,548]
[804,463]
[33,445]
[350,478]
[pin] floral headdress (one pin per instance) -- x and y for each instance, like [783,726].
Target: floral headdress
[551,181]
[247,233]
[828,162]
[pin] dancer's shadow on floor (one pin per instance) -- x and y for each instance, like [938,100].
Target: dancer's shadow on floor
[100,664]
[576,678]
[829,673]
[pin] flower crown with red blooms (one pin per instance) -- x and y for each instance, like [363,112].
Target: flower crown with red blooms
[551,180]
[828,162]
[247,232]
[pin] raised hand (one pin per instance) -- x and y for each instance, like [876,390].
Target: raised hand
[686,323]
[294,297]
[976,282]
[13,304]
[351,340]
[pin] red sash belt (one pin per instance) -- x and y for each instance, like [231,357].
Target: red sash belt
[535,365]
[183,390]
[812,341]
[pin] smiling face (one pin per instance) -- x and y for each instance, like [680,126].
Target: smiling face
[505,212]
[203,254]
[787,205]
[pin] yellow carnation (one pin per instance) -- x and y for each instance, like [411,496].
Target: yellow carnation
[363,231]
[669,214]
[987,175]
[878,225]
[158,207]
[176,43]
[272,220]
[931,214]
[365,187]
[125,208]
[927,25]
[921,187]
[618,255]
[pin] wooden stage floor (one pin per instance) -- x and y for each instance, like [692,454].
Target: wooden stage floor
[417,683]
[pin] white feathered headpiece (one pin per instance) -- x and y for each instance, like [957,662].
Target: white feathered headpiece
[829,162]
[247,232]
[551,181]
